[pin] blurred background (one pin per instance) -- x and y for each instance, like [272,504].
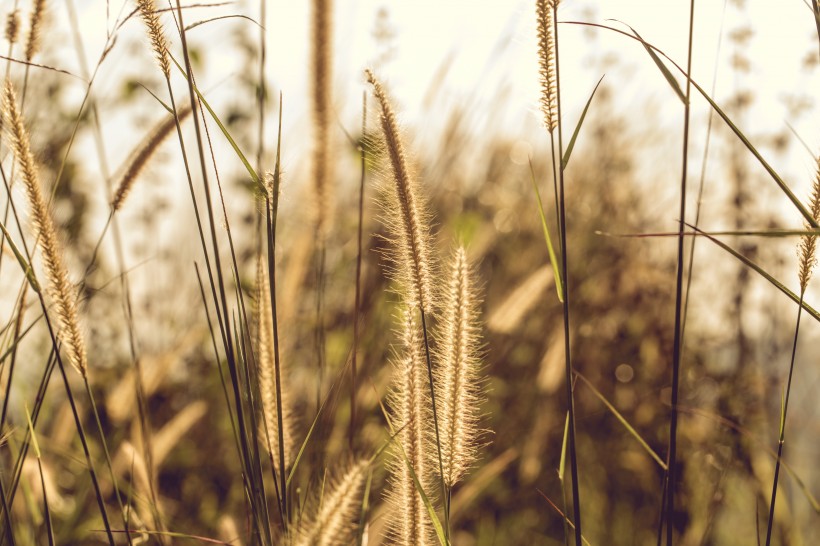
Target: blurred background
[464,79]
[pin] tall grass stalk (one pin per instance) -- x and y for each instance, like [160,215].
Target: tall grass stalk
[237,366]
[357,297]
[408,221]
[807,252]
[549,62]
[676,348]
[321,110]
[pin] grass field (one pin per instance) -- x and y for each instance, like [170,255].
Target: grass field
[235,314]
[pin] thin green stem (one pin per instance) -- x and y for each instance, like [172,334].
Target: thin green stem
[435,422]
[782,437]
[677,343]
[562,222]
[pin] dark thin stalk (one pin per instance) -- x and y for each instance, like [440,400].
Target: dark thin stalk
[271,215]
[676,347]
[782,439]
[261,95]
[815,8]
[357,299]
[699,202]
[319,327]
[258,525]
[47,510]
[573,457]
[435,422]
[6,513]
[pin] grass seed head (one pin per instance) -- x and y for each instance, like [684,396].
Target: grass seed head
[59,287]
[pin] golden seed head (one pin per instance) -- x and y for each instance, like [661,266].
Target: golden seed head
[322,84]
[12,26]
[545,11]
[159,43]
[808,243]
[59,287]
[458,385]
[35,22]
[407,217]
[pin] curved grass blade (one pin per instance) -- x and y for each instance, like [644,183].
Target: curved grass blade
[564,516]
[571,145]
[661,66]
[254,176]
[623,421]
[780,286]
[769,169]
[553,260]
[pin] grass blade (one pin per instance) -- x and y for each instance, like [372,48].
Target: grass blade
[571,145]
[254,176]
[553,260]
[769,169]
[661,66]
[623,421]
[780,286]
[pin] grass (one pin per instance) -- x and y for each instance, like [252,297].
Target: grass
[275,356]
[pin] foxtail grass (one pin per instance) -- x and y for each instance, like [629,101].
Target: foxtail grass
[408,221]
[458,381]
[410,403]
[156,34]
[59,287]
[807,256]
[12,27]
[321,110]
[335,519]
[143,154]
[549,64]
[407,218]
[267,377]
[33,42]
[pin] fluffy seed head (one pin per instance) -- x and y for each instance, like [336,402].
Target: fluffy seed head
[267,376]
[407,216]
[411,412]
[334,523]
[35,22]
[545,11]
[322,58]
[12,26]
[458,382]
[59,287]
[148,12]
[808,243]
[143,154]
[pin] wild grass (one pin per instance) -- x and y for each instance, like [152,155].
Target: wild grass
[284,360]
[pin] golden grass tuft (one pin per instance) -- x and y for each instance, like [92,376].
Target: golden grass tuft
[458,382]
[335,521]
[159,43]
[267,376]
[59,287]
[407,218]
[12,26]
[808,243]
[545,10]
[143,154]
[412,417]
[35,22]
[322,84]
